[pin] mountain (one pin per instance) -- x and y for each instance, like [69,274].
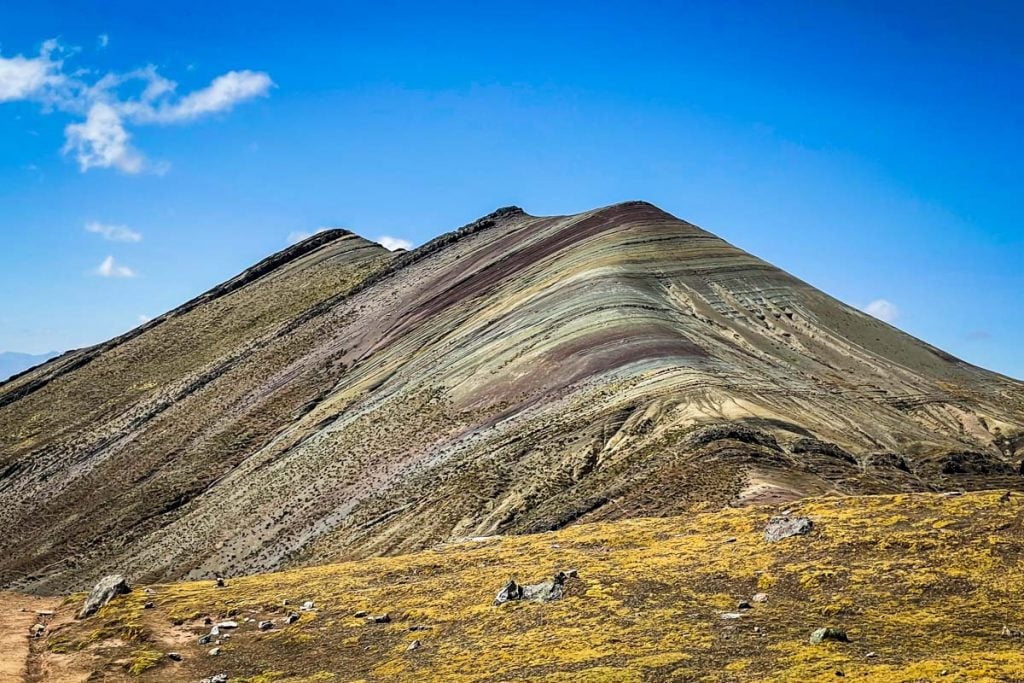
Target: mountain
[517,375]
[12,362]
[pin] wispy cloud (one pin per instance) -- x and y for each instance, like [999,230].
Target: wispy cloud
[110,268]
[296,236]
[393,243]
[102,40]
[113,233]
[102,139]
[886,311]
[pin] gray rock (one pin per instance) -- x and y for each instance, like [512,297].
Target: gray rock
[379,619]
[216,678]
[205,640]
[731,615]
[103,592]
[829,633]
[744,605]
[149,605]
[214,652]
[307,606]
[266,625]
[760,597]
[545,591]
[176,656]
[414,645]
[226,624]
[361,613]
[291,618]
[36,631]
[783,527]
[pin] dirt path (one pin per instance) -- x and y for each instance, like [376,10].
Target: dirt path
[18,613]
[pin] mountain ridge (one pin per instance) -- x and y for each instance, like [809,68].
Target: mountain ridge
[515,375]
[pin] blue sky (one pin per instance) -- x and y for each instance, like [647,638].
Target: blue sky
[875,150]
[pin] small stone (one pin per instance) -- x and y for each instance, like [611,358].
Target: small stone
[215,631]
[840,673]
[36,631]
[285,602]
[220,582]
[176,656]
[871,655]
[744,605]
[414,645]
[205,640]
[291,618]
[760,597]
[214,652]
[307,606]
[207,621]
[227,624]
[731,539]
[379,619]
[149,605]
[216,678]
[361,613]
[266,625]
[829,633]
[572,573]
[44,612]
[730,615]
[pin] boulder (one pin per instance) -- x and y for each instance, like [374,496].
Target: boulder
[829,633]
[103,592]
[266,625]
[785,526]
[545,591]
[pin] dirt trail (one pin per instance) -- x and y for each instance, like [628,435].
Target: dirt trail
[18,613]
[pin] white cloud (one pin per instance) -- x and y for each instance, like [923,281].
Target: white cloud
[297,236]
[23,78]
[221,95]
[143,318]
[113,233]
[102,139]
[393,243]
[885,311]
[102,142]
[102,40]
[109,268]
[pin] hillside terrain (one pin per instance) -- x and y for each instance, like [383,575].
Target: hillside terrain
[925,587]
[522,374]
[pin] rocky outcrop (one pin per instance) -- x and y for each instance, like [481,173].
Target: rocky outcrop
[108,588]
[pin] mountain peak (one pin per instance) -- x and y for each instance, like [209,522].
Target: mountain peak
[520,373]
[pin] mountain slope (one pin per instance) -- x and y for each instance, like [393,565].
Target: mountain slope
[925,586]
[518,375]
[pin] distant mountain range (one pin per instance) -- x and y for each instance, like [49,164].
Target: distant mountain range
[11,362]
[520,374]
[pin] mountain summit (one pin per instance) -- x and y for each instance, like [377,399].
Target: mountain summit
[522,373]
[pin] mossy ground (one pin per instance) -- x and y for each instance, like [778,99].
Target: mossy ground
[923,584]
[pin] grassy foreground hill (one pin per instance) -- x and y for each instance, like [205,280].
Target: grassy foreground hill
[927,587]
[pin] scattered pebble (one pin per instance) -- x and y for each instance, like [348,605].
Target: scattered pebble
[227,624]
[379,619]
[414,645]
[760,597]
[149,605]
[731,615]
[307,606]
[176,656]
[266,625]
[214,652]
[291,618]
[744,605]
[361,613]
